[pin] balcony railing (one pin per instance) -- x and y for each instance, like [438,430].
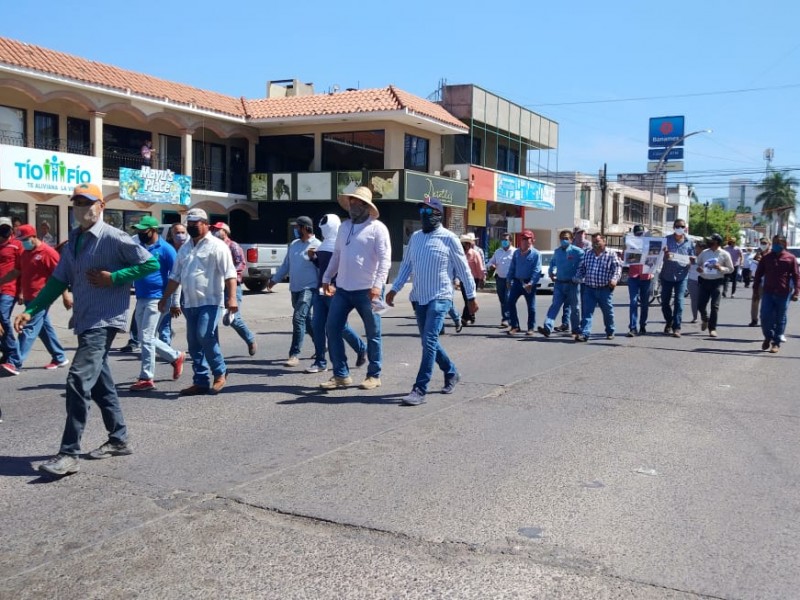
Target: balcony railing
[12,138]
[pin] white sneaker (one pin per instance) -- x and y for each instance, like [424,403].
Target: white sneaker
[783,338]
[292,361]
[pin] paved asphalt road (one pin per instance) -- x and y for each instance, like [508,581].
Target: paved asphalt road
[650,467]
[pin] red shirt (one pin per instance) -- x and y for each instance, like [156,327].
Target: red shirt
[779,272]
[9,261]
[37,265]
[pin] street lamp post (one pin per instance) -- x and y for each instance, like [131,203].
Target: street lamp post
[660,164]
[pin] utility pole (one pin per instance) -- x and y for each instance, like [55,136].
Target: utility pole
[603,188]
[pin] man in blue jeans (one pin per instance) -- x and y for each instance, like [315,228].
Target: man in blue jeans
[639,284]
[563,270]
[777,280]
[523,275]
[674,276]
[360,262]
[99,263]
[303,280]
[329,225]
[600,271]
[432,255]
[500,263]
[10,254]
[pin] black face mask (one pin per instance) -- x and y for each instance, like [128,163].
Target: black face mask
[5,232]
[359,213]
[193,231]
[431,221]
[145,237]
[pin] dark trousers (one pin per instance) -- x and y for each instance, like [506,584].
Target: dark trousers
[731,278]
[466,316]
[710,289]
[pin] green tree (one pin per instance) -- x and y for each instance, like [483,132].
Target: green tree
[716,220]
[778,197]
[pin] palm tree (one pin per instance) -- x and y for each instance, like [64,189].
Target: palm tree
[779,197]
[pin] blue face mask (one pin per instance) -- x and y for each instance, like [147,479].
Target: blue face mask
[777,248]
[505,244]
[296,233]
[27,244]
[565,243]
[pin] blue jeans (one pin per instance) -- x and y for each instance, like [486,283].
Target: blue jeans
[41,327]
[202,335]
[773,316]
[673,313]
[593,297]
[238,324]
[430,319]
[89,378]
[147,316]
[639,295]
[342,303]
[564,294]
[8,342]
[301,319]
[322,306]
[502,295]
[514,293]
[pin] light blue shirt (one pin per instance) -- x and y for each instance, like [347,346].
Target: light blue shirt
[433,258]
[301,271]
[565,262]
[526,267]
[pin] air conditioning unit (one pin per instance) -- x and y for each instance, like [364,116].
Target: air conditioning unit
[452,173]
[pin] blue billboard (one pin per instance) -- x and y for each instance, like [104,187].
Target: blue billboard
[522,191]
[664,131]
[657,153]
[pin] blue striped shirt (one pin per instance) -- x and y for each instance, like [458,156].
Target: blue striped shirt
[433,258]
[599,271]
[105,248]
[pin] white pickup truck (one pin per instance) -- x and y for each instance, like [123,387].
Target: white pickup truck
[263,261]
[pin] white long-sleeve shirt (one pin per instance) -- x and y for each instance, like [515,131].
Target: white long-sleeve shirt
[362,256]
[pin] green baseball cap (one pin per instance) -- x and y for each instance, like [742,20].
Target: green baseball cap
[147,222]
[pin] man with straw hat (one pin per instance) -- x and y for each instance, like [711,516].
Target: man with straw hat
[360,262]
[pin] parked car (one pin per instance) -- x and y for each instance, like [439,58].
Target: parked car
[263,261]
[545,283]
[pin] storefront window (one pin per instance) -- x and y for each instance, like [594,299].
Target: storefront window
[507,159]
[47,224]
[285,153]
[416,153]
[353,150]
[12,126]
[45,131]
[14,210]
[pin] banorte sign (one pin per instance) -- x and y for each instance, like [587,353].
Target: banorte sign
[32,170]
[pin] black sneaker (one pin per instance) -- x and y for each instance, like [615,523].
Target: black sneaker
[754,324]
[581,338]
[459,326]
[765,344]
[362,359]
[544,331]
[667,330]
[110,449]
[561,328]
[128,348]
[642,330]
[450,384]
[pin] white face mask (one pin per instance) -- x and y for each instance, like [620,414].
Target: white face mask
[764,246]
[86,216]
[679,231]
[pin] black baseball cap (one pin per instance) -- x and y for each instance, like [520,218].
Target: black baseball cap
[304,221]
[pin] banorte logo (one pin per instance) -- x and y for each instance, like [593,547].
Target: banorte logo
[52,170]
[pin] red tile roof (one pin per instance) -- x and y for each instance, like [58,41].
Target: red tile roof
[389,99]
[386,99]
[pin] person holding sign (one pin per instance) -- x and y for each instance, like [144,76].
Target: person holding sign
[639,283]
[712,265]
[678,254]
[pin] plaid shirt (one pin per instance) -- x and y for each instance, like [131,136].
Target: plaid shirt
[239,262]
[599,271]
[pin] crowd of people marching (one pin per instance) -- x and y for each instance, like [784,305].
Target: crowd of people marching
[197,273]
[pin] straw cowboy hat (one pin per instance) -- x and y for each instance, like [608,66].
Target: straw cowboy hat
[467,237]
[364,194]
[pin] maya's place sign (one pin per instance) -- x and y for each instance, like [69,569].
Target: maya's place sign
[154,185]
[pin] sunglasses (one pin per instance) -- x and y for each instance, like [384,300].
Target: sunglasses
[427,210]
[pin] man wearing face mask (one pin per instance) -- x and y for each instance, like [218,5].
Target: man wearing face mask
[204,270]
[223,232]
[10,253]
[600,271]
[777,280]
[755,300]
[639,294]
[713,264]
[176,237]
[360,262]
[523,275]
[303,275]
[37,263]
[563,270]
[98,263]
[149,290]
[500,263]
[433,255]
[674,276]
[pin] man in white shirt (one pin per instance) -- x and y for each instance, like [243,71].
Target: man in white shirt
[204,268]
[360,262]
[500,262]
[713,264]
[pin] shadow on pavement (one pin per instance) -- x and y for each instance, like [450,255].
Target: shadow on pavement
[19,466]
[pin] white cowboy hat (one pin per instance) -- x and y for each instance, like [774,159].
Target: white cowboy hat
[467,237]
[364,194]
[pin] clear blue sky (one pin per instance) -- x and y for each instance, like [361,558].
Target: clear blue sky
[685,57]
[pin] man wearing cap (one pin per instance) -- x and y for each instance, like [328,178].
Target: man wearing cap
[639,284]
[500,264]
[580,240]
[523,275]
[674,276]
[37,263]
[302,282]
[755,301]
[10,253]
[777,281]
[149,290]
[223,232]
[360,262]
[736,258]
[98,263]
[600,271]
[204,270]
[433,255]
[713,264]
